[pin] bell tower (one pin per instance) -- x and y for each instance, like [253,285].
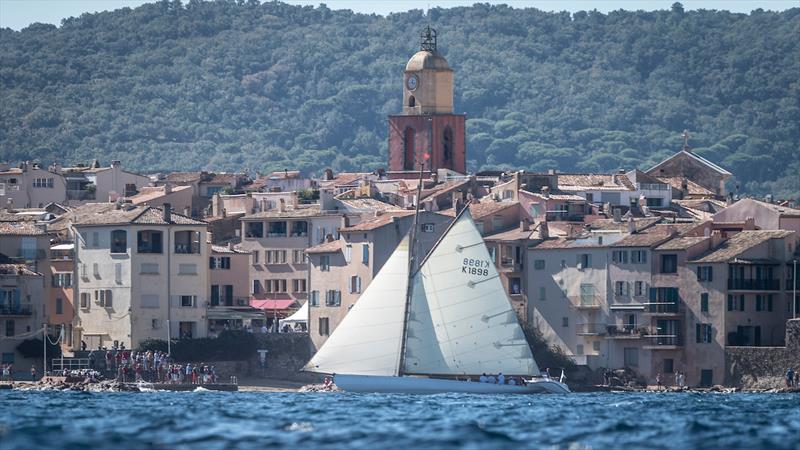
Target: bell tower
[427,124]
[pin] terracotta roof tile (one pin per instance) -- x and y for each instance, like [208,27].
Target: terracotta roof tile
[377,222]
[609,224]
[682,243]
[150,193]
[327,247]
[20,229]
[482,209]
[740,242]
[692,188]
[108,214]
[575,182]
[17,270]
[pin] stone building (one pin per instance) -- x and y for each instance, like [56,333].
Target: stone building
[30,186]
[341,269]
[692,167]
[141,273]
[22,302]
[427,124]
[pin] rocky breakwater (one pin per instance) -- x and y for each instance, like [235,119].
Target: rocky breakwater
[87,385]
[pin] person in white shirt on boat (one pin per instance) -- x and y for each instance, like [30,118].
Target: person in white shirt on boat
[483,378]
[512,381]
[501,379]
[491,379]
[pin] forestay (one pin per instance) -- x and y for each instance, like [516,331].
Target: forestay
[367,341]
[460,318]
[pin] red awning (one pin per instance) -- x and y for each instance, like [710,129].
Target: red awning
[270,305]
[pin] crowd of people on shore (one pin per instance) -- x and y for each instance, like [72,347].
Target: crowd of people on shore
[150,366]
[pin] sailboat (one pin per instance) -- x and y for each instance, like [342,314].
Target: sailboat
[435,329]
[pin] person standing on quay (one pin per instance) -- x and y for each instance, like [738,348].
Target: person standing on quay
[33,373]
[658,381]
[789,377]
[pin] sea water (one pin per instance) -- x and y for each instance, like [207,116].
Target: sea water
[221,420]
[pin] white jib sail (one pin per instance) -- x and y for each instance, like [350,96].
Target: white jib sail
[460,317]
[367,341]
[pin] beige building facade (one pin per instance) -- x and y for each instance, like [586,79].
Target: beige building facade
[141,273]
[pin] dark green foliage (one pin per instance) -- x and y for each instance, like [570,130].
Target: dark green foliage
[32,348]
[230,85]
[156,345]
[231,345]
[546,355]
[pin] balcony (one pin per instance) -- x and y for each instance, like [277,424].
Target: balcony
[590,329]
[223,301]
[16,311]
[662,308]
[585,302]
[663,341]
[632,331]
[754,285]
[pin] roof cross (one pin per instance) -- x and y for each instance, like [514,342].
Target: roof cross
[685,136]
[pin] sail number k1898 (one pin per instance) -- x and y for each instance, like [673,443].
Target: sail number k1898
[475,267]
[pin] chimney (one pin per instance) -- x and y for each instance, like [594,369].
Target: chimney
[716,238]
[544,230]
[216,204]
[281,205]
[187,211]
[295,200]
[345,221]
[167,213]
[10,205]
[116,163]
[617,214]
[749,223]
[684,184]
[631,225]
[55,168]
[230,245]
[525,224]
[167,188]
[546,191]
[95,164]
[328,175]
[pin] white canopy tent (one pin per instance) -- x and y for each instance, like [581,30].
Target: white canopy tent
[300,316]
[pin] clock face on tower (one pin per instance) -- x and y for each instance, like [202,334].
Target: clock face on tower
[412,82]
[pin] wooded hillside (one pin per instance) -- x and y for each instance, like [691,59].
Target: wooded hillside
[230,85]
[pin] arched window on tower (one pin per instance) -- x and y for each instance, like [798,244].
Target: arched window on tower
[409,152]
[447,147]
[412,102]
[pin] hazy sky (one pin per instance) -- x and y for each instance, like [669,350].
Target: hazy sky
[18,14]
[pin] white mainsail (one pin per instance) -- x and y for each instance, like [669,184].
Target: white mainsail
[367,341]
[460,320]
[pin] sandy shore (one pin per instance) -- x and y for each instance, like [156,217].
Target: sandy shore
[251,384]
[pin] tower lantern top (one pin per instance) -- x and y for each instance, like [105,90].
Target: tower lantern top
[427,40]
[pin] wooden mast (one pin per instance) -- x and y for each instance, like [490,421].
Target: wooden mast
[412,256]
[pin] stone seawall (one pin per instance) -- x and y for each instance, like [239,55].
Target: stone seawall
[287,353]
[763,367]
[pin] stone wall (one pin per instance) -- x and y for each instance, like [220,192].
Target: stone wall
[287,353]
[763,367]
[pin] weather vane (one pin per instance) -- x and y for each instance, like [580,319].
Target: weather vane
[428,39]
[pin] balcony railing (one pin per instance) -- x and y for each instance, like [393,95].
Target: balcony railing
[666,340]
[661,307]
[21,310]
[755,285]
[585,301]
[590,329]
[616,330]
